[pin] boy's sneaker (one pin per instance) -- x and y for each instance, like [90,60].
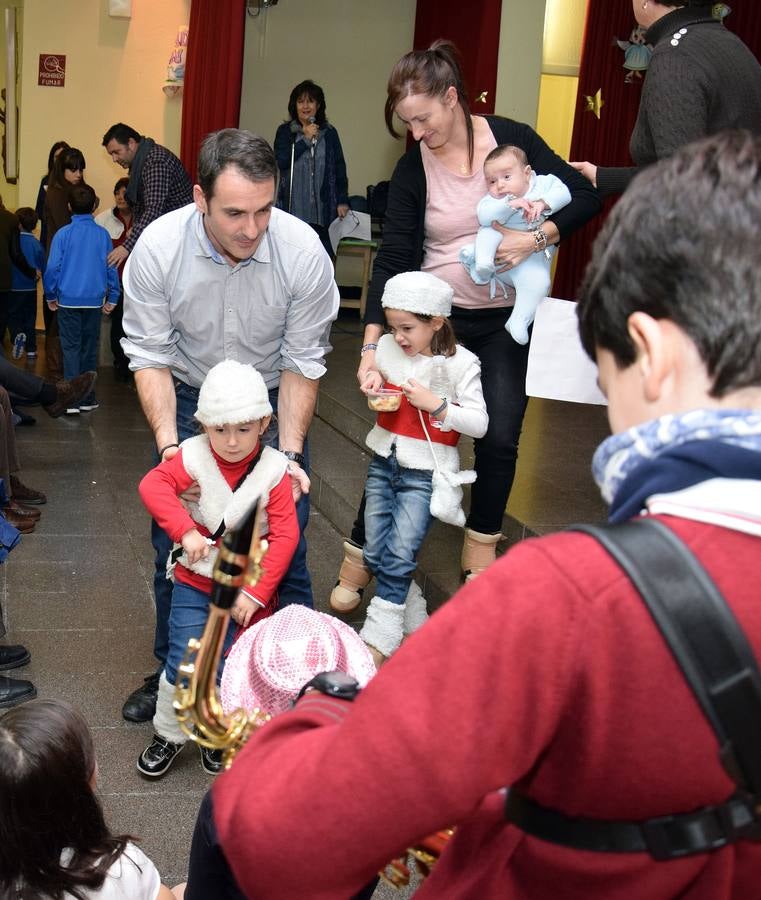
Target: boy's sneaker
[72,411]
[89,404]
[31,354]
[211,760]
[19,345]
[157,757]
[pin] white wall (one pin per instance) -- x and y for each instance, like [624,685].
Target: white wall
[348,48]
[114,72]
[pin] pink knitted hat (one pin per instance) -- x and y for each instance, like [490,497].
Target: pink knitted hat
[270,663]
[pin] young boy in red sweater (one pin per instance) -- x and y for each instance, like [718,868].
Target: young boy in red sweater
[232,470]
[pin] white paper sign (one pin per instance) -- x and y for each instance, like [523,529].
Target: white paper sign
[558,367]
[354,225]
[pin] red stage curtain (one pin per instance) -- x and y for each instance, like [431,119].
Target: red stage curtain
[214,72]
[474,28]
[606,141]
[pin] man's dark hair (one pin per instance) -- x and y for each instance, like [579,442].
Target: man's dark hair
[82,199]
[315,93]
[121,183]
[27,217]
[682,245]
[120,133]
[233,147]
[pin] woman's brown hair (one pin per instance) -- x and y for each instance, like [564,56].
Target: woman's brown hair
[431,72]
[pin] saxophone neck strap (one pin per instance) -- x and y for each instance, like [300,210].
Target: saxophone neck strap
[718,663]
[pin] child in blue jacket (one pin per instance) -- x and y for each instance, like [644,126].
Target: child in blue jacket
[77,281]
[23,310]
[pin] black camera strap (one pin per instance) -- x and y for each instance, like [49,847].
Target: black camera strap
[720,668]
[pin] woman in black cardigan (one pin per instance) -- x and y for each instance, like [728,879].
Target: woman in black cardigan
[701,80]
[426,91]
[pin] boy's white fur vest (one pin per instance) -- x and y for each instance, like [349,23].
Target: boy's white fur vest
[218,502]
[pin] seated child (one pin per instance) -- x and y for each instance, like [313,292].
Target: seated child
[232,470]
[265,671]
[518,198]
[54,840]
[414,473]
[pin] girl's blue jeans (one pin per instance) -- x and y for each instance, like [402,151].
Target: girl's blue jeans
[397,519]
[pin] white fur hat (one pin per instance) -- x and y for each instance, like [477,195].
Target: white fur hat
[418,292]
[232,393]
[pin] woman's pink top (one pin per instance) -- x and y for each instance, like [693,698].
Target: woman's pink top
[450,223]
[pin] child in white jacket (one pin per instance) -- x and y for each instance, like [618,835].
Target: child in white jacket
[414,474]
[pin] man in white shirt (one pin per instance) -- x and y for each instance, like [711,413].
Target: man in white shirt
[228,277]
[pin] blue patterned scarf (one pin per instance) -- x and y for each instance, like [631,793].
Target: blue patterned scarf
[676,452]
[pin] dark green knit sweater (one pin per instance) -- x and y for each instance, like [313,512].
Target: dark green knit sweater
[707,82]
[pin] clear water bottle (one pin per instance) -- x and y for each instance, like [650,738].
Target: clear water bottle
[439,384]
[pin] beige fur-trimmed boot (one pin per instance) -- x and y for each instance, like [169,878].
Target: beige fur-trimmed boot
[353,578]
[478,552]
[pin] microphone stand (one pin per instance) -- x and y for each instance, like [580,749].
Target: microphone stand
[290,181]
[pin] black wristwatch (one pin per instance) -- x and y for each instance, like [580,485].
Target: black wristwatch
[333,684]
[296,457]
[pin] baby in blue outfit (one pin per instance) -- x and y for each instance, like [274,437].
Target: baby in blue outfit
[518,198]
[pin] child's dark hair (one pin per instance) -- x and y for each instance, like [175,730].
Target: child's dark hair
[82,199]
[72,159]
[27,217]
[121,183]
[503,150]
[47,761]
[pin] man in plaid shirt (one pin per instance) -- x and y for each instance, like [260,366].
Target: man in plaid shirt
[157,181]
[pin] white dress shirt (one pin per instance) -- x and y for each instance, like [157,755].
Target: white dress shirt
[186,308]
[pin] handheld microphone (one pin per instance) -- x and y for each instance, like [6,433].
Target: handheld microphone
[312,121]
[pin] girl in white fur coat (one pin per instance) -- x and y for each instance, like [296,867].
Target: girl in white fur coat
[232,470]
[414,474]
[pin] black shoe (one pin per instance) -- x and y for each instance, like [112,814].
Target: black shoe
[14,691]
[155,760]
[211,760]
[140,706]
[12,656]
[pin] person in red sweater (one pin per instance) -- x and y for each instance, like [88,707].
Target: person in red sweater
[546,676]
[232,470]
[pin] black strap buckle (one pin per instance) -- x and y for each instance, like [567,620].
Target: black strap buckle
[672,837]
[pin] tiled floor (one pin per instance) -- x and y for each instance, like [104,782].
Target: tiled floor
[78,593]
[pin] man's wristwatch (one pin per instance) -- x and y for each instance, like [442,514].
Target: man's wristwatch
[296,457]
[332,684]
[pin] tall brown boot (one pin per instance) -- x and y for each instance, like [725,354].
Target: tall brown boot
[353,578]
[478,552]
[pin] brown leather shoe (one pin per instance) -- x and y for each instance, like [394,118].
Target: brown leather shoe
[69,393]
[21,511]
[26,496]
[25,526]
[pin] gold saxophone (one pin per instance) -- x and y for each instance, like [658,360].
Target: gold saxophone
[196,702]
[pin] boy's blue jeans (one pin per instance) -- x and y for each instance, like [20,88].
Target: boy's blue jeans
[79,329]
[187,619]
[397,519]
[296,586]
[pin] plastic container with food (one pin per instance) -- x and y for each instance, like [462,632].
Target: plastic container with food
[384,399]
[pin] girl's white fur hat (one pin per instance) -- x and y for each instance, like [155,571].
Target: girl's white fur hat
[232,393]
[418,292]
